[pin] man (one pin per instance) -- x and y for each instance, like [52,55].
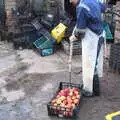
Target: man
[89,28]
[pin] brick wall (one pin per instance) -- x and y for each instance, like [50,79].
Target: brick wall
[117,29]
[10,4]
[9,19]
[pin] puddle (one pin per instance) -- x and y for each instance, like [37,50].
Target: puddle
[47,87]
[13,86]
[2,82]
[12,95]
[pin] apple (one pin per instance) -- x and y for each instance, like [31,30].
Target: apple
[53,101]
[76,101]
[62,91]
[76,89]
[65,101]
[68,97]
[58,102]
[76,93]
[62,98]
[62,94]
[66,90]
[69,105]
[73,97]
[73,105]
[78,96]
[70,93]
[58,96]
[62,105]
[70,101]
[71,90]
[55,104]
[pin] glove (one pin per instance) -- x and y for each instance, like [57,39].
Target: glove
[72,38]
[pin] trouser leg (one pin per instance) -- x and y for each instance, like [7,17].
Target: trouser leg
[88,65]
[100,62]
[98,67]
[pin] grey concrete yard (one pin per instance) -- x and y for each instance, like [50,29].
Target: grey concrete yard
[28,82]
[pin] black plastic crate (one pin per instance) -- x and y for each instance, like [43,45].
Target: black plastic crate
[27,28]
[19,44]
[24,40]
[114,55]
[36,24]
[60,111]
[47,24]
[118,67]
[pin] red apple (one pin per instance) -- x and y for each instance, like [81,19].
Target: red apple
[69,105]
[62,94]
[68,97]
[78,96]
[66,90]
[58,96]
[53,101]
[65,102]
[62,91]
[76,101]
[76,93]
[70,101]
[76,89]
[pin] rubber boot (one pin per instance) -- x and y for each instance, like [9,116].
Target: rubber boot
[96,86]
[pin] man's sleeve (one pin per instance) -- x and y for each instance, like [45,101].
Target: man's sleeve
[103,7]
[81,22]
[81,19]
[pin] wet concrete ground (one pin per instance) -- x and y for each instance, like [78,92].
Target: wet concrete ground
[28,82]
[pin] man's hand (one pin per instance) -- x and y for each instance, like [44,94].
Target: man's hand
[72,38]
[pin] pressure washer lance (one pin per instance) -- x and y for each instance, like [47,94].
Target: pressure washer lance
[70,61]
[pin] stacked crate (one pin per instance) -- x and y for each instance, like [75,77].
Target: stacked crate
[9,4]
[77,47]
[114,62]
[117,29]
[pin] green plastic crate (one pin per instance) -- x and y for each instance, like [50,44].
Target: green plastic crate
[46,52]
[43,42]
[109,35]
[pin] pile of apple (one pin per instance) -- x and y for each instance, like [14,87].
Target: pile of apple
[67,98]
